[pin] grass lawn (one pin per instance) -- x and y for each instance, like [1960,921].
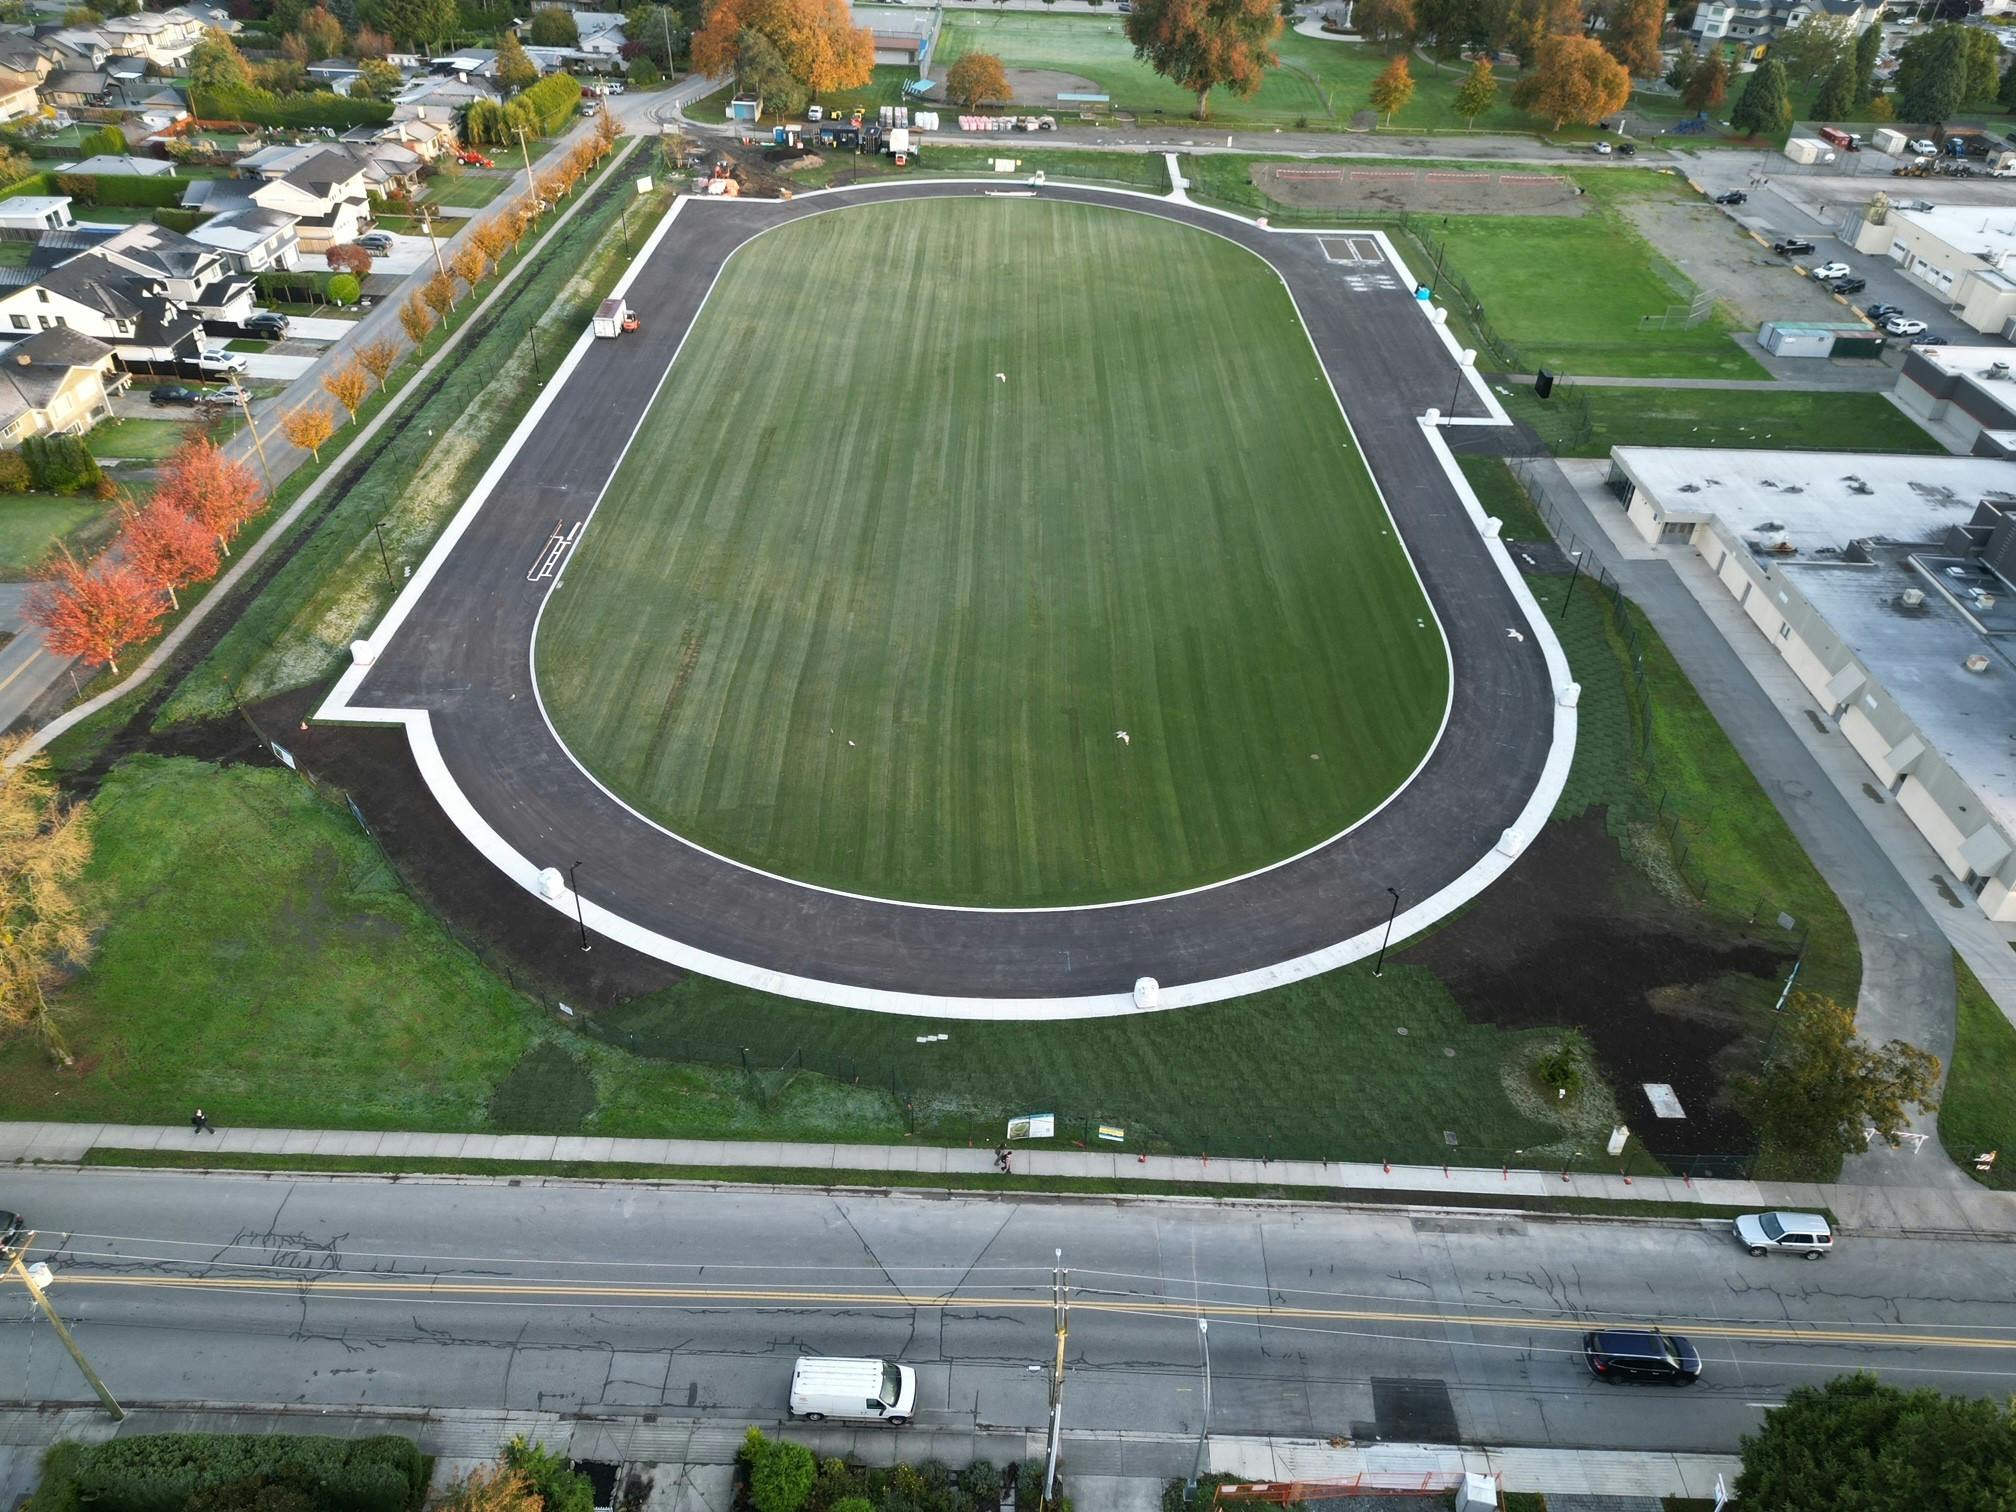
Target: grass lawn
[1724,417]
[888,648]
[32,524]
[471,189]
[140,440]
[1978,1113]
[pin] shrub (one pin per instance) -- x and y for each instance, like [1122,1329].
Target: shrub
[560,1486]
[178,220]
[264,108]
[58,1490]
[295,288]
[35,183]
[780,1473]
[122,188]
[169,1472]
[981,1479]
[60,464]
[14,478]
[1560,1068]
[553,100]
[853,1504]
[344,288]
[645,75]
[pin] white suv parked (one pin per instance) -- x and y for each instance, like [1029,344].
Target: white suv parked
[1792,1233]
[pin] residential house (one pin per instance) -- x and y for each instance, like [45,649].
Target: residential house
[18,99]
[20,53]
[432,96]
[36,212]
[163,38]
[73,89]
[252,240]
[127,166]
[78,48]
[389,167]
[325,187]
[425,136]
[145,291]
[337,73]
[599,51]
[469,63]
[1758,21]
[56,381]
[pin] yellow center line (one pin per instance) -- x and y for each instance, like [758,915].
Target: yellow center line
[1232,1312]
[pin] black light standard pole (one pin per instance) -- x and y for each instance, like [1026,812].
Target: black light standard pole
[532,335]
[1463,365]
[378,529]
[1573,578]
[1379,966]
[574,888]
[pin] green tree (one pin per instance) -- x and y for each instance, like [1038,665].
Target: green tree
[1478,92]
[1708,86]
[1393,88]
[377,80]
[1682,68]
[1764,106]
[2006,95]
[780,1473]
[559,1486]
[1899,1451]
[761,70]
[1207,44]
[1836,100]
[419,23]
[657,32]
[215,63]
[553,27]
[321,34]
[1384,20]
[1868,48]
[1932,76]
[1822,1088]
[1983,55]
[1815,45]
[515,70]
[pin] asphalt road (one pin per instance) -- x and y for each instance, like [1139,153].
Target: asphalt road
[462,655]
[688,1303]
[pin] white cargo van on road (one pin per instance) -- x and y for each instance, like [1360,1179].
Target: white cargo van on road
[873,1390]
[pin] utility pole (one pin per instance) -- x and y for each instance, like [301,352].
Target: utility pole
[1060,1291]
[526,153]
[434,246]
[1204,1428]
[258,442]
[35,1285]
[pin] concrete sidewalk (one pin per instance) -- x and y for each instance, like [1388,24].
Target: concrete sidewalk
[1104,1471]
[1961,1211]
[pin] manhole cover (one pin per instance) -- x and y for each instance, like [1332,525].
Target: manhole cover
[1401,1030]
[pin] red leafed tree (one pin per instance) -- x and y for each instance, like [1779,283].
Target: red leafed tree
[96,611]
[167,547]
[211,488]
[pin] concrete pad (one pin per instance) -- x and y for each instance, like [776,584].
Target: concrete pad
[52,1141]
[316,328]
[1114,1493]
[275,366]
[347,1142]
[576,1148]
[438,1146]
[691,1488]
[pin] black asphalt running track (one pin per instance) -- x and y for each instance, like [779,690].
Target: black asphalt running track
[463,655]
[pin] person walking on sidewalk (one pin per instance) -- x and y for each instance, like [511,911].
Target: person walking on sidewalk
[1001,1157]
[199,1122]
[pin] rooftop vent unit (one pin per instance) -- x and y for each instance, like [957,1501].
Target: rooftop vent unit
[1912,598]
[1996,370]
[1983,600]
[1976,663]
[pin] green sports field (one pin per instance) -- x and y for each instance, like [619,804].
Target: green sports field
[895,556]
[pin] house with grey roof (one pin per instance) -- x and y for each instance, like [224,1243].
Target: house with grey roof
[57,381]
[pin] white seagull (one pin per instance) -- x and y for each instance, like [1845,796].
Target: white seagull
[1123,737]
[1515,635]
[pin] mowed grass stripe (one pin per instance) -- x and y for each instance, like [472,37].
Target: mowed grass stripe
[838,525]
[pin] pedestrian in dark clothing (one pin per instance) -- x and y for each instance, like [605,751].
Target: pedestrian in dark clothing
[1001,1156]
[200,1121]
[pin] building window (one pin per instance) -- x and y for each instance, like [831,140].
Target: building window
[19,322]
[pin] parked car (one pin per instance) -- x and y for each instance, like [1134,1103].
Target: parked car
[1898,325]
[1831,270]
[1632,1355]
[1792,246]
[219,359]
[231,393]
[1732,197]
[1928,341]
[173,393]
[1790,1233]
[268,324]
[613,86]
[12,1227]
[377,243]
[1925,147]
[1848,285]
[1881,312]
[1602,149]
[1627,149]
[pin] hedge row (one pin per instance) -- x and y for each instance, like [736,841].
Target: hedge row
[264,108]
[122,188]
[554,100]
[35,183]
[168,1472]
[50,464]
[184,221]
[106,139]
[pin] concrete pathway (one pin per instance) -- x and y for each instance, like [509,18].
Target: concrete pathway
[1864,847]
[1922,1207]
[685,1456]
[1824,380]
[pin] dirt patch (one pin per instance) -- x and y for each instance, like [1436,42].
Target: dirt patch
[1423,191]
[1718,255]
[1577,937]
[1037,86]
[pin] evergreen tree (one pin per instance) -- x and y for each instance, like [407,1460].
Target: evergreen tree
[1932,76]
[2007,94]
[1868,48]
[1684,63]
[1765,106]
[1836,99]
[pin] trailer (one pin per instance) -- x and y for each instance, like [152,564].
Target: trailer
[1809,150]
[1889,139]
[612,317]
[1847,141]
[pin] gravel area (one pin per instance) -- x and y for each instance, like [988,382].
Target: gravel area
[1715,252]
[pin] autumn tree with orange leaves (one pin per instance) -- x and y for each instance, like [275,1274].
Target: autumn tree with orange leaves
[1574,79]
[209,487]
[416,319]
[817,40]
[379,357]
[1207,44]
[94,612]
[348,386]
[309,428]
[167,547]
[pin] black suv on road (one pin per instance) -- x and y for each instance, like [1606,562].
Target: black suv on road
[1792,247]
[1641,1354]
[11,1230]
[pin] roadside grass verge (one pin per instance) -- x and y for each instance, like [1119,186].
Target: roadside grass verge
[471,189]
[1978,1111]
[1777,420]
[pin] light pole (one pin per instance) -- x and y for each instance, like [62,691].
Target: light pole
[1573,578]
[378,529]
[579,920]
[1204,1429]
[532,335]
[35,1278]
[1379,966]
[1465,360]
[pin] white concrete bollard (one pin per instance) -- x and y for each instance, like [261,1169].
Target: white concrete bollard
[552,886]
[1571,695]
[1492,525]
[1147,993]
[363,653]
[1511,842]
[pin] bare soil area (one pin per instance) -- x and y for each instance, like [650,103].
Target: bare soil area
[1423,191]
[1718,255]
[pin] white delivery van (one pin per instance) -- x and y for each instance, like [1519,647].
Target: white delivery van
[861,1389]
[609,318]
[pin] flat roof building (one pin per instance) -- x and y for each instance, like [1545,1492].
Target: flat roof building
[1956,251]
[1888,585]
[1966,396]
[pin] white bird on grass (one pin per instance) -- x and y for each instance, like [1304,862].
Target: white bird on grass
[1123,737]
